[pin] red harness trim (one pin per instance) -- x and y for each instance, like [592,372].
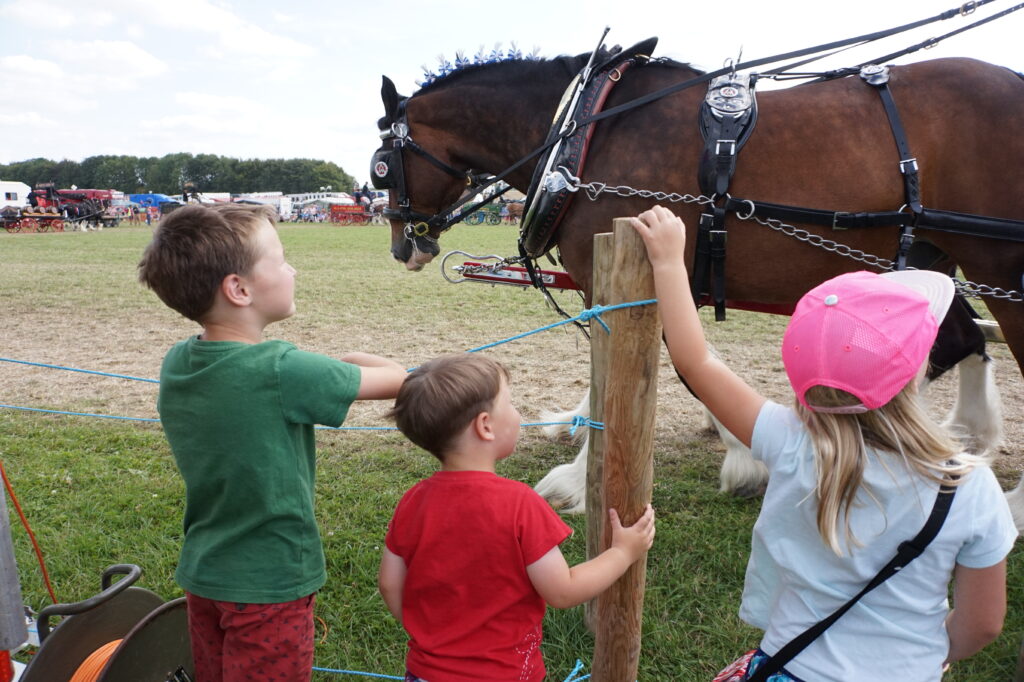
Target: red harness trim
[556,279]
[518,276]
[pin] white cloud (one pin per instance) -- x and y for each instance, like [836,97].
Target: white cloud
[21,65]
[40,83]
[57,15]
[37,14]
[117,64]
[200,123]
[26,119]
[233,34]
[201,101]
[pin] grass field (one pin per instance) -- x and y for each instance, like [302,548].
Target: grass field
[99,492]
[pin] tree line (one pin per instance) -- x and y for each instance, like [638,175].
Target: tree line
[169,174]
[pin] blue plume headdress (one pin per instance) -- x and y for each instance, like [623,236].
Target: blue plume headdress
[496,55]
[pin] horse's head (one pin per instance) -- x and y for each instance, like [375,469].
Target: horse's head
[419,178]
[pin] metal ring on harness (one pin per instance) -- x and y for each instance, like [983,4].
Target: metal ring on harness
[421,229]
[968,8]
[749,215]
[614,75]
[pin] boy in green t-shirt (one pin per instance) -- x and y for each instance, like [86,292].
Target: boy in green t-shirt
[239,412]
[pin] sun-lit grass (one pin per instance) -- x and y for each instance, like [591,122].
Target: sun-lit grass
[99,492]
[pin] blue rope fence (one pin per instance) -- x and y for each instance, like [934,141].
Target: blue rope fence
[593,313]
[574,676]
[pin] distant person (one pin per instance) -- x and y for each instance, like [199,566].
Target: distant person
[239,413]
[471,558]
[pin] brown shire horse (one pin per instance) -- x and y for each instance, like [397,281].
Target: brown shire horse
[824,145]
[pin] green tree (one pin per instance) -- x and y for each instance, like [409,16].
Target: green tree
[169,173]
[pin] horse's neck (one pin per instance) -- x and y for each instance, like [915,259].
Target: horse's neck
[491,123]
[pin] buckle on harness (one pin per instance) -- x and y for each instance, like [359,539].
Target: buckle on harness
[732,147]
[835,219]
[911,163]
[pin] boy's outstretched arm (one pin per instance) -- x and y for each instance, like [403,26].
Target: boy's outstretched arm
[728,397]
[390,581]
[381,378]
[564,587]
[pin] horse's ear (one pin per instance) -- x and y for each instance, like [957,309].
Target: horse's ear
[389,94]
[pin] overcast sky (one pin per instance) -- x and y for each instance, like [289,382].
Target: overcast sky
[271,79]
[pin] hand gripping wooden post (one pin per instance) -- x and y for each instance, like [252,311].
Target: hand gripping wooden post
[620,472]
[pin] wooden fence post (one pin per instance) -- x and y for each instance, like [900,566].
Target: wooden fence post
[620,471]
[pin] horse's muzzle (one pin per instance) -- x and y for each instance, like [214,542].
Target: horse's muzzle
[415,252]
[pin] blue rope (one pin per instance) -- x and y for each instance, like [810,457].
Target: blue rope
[588,314]
[585,315]
[573,676]
[576,671]
[577,421]
[80,414]
[83,371]
[356,672]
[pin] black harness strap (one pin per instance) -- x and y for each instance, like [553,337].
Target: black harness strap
[878,77]
[727,118]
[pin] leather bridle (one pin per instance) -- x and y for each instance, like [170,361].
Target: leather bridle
[387,171]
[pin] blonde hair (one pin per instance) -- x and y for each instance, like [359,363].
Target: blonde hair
[901,427]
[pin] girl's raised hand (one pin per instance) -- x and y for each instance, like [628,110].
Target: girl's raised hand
[664,235]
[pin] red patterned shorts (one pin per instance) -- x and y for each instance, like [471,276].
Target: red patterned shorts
[251,642]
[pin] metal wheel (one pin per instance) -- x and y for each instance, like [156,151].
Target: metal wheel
[57,225]
[28,225]
[475,218]
[157,645]
[88,625]
[493,219]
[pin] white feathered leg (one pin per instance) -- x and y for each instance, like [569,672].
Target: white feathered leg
[565,486]
[977,415]
[558,430]
[741,475]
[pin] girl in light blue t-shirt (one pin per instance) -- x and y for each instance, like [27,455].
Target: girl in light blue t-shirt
[854,467]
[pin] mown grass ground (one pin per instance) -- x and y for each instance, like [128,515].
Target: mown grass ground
[99,492]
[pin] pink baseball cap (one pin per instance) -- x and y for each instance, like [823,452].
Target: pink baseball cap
[864,333]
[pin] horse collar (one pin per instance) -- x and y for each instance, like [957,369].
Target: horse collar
[549,196]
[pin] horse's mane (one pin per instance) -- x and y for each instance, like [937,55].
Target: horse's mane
[507,67]
[514,65]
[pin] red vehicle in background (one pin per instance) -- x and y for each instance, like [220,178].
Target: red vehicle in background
[51,209]
[350,214]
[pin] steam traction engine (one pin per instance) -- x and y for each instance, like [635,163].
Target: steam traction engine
[50,209]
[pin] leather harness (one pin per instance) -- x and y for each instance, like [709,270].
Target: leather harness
[728,115]
[549,196]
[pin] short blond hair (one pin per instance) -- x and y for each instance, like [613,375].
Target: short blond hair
[194,248]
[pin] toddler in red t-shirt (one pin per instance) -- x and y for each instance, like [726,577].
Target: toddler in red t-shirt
[471,558]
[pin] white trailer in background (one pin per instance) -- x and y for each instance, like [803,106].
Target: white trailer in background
[278,200]
[13,193]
